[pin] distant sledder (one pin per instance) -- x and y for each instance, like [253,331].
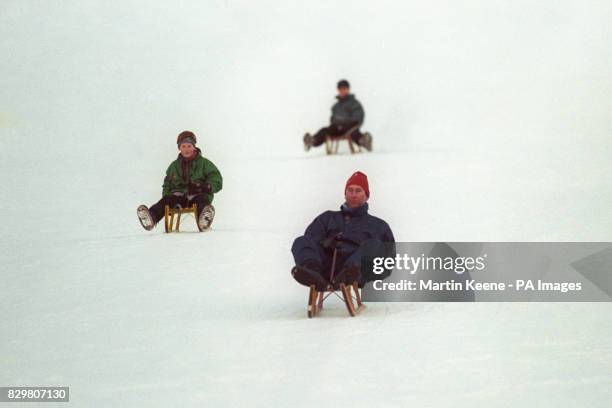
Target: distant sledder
[189,186]
[347,117]
[328,256]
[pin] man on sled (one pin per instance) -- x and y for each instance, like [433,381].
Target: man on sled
[346,119]
[329,254]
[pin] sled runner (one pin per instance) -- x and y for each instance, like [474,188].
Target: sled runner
[316,298]
[333,142]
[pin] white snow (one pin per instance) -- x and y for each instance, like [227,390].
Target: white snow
[491,122]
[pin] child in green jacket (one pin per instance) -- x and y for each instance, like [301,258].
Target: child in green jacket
[190,179]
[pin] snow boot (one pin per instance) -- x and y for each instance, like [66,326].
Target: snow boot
[310,274]
[307,142]
[206,217]
[145,217]
[366,141]
[349,274]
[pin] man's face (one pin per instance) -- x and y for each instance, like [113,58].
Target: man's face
[343,92]
[187,150]
[355,196]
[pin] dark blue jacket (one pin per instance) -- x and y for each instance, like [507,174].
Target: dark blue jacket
[353,226]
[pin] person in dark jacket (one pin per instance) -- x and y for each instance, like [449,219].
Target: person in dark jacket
[190,179]
[351,232]
[346,114]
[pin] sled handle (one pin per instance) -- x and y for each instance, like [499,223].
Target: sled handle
[333,268]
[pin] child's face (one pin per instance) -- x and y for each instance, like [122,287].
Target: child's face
[355,196]
[187,150]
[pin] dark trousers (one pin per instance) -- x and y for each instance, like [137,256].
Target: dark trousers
[304,249]
[334,131]
[158,209]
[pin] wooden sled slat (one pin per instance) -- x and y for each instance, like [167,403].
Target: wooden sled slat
[353,303]
[170,213]
[348,300]
[312,302]
[320,302]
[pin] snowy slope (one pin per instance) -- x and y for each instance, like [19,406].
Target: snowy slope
[492,122]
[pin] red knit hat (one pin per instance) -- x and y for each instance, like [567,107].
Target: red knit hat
[360,179]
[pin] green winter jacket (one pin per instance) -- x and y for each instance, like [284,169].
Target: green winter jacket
[192,176]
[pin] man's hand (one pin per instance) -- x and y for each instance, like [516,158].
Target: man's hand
[199,187]
[332,241]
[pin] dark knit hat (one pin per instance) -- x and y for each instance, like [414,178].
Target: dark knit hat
[343,83]
[186,137]
[359,179]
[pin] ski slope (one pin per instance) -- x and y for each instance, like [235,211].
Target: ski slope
[491,122]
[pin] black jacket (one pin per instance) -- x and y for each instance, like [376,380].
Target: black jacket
[347,112]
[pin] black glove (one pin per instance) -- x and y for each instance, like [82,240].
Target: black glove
[332,241]
[199,187]
[194,188]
